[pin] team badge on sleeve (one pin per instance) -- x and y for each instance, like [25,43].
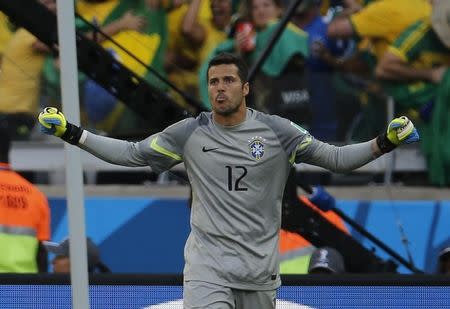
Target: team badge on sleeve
[256,147]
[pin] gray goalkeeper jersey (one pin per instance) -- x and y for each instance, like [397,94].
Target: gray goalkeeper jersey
[238,175]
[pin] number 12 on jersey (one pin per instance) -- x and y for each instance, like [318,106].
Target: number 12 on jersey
[241,172]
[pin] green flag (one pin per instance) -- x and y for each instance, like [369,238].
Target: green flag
[148,46]
[435,136]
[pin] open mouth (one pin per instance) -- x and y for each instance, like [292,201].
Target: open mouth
[221,98]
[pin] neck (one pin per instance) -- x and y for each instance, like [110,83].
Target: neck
[232,119]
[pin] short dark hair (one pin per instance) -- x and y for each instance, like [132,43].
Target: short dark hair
[229,58]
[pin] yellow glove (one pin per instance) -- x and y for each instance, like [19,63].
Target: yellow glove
[52,122]
[400,131]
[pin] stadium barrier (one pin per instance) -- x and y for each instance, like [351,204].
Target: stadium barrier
[165,292]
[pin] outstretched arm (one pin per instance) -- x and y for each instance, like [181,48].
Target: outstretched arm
[112,150]
[143,153]
[343,159]
[190,26]
[393,67]
[347,158]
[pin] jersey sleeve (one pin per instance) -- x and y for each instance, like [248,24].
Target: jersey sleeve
[409,44]
[302,147]
[160,151]
[295,140]
[336,159]
[165,149]
[375,20]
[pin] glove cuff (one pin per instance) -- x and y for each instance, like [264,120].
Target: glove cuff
[72,134]
[385,144]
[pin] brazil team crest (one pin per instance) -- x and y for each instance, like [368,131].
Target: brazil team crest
[256,147]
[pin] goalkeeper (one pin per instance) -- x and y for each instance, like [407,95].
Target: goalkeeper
[238,161]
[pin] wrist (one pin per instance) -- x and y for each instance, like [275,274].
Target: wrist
[72,134]
[384,144]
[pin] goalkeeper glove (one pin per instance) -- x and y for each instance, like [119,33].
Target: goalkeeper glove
[53,122]
[400,131]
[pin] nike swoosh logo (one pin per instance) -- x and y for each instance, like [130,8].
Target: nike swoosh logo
[204,149]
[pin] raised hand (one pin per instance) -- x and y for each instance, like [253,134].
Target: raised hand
[130,21]
[52,121]
[400,131]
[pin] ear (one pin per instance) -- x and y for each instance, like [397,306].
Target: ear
[245,89]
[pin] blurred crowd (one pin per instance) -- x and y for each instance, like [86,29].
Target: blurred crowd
[331,70]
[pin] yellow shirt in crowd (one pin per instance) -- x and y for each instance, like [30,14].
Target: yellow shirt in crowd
[382,21]
[142,45]
[20,75]
[177,42]
[5,33]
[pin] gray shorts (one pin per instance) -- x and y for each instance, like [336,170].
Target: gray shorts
[205,295]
